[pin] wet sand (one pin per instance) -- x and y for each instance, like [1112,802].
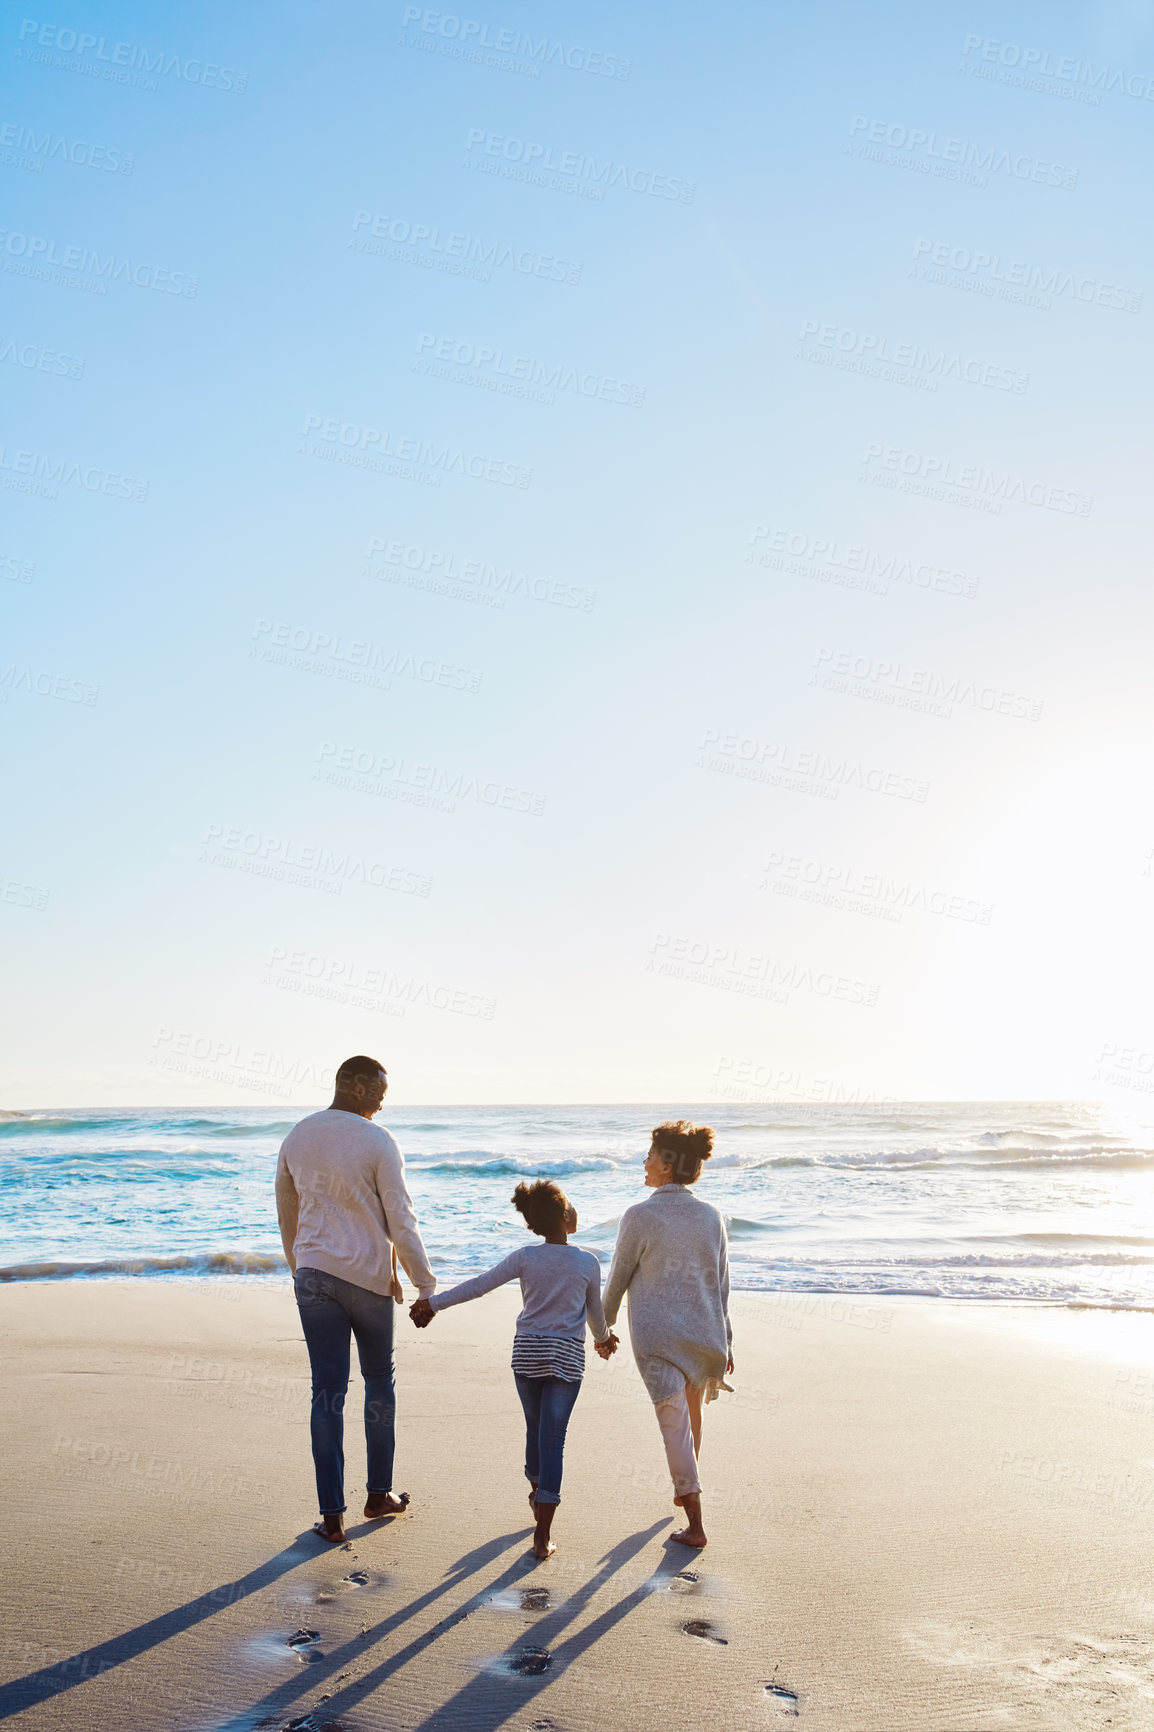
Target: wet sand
[922,1518]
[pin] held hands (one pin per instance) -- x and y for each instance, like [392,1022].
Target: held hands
[422,1313]
[607,1348]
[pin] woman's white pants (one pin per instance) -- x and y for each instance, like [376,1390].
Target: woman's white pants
[680,1422]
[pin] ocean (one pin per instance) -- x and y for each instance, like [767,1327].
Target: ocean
[1012,1201]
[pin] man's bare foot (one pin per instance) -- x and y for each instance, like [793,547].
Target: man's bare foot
[385,1503]
[694,1534]
[331,1528]
[543,1546]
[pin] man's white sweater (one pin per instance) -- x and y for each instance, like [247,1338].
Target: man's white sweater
[342,1201]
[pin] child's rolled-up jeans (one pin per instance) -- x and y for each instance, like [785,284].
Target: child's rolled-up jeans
[548,1403]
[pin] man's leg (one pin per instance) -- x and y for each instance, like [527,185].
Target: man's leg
[326,1327]
[372,1316]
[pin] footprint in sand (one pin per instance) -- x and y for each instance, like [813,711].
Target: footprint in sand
[534,1599]
[702,1628]
[786,1701]
[302,1643]
[530,1662]
[684,1582]
[356,1578]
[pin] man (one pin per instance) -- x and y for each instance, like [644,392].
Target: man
[345,1213]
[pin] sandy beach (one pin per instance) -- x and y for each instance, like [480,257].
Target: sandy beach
[923,1518]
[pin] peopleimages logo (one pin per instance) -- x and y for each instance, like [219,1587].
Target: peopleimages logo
[493,368]
[449,250]
[37,472]
[371,447]
[36,256]
[124,59]
[955,158]
[855,566]
[575,166]
[875,354]
[55,147]
[463,37]
[40,360]
[995,274]
[923,469]
[1033,62]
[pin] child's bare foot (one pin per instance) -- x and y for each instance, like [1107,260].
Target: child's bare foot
[543,1546]
[383,1503]
[331,1528]
[694,1534]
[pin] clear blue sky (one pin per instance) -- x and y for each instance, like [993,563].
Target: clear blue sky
[783,375]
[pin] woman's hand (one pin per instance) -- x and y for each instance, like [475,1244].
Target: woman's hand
[729,1366]
[607,1348]
[422,1313]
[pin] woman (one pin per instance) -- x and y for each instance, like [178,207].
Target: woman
[561,1289]
[672,1259]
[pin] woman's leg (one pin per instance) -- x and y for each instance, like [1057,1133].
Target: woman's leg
[674,1418]
[327,1332]
[693,1401]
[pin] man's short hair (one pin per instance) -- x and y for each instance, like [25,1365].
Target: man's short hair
[360,1066]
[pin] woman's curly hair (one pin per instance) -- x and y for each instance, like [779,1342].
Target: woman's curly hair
[686,1147]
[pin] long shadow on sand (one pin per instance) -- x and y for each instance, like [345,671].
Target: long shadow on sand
[50,1681]
[488,1700]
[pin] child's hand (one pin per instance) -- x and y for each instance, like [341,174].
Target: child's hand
[607,1348]
[422,1313]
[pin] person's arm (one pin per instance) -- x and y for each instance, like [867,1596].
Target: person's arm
[507,1269]
[400,1217]
[723,1275]
[287,1210]
[594,1310]
[626,1256]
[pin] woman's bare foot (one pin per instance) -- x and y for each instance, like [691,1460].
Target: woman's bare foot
[331,1528]
[694,1534]
[543,1546]
[384,1503]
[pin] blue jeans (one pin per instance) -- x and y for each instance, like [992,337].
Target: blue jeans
[548,1402]
[331,1311]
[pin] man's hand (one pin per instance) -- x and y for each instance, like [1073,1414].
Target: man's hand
[422,1313]
[607,1348]
[397,1291]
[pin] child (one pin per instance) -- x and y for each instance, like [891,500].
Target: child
[561,1287]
